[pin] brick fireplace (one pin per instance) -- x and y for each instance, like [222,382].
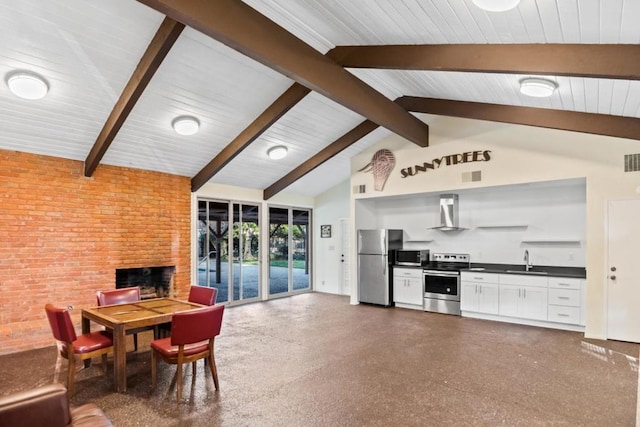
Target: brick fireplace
[154,282]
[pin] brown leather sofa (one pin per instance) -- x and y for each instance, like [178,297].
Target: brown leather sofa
[48,406]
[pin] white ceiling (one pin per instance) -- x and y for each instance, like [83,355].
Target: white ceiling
[87,50]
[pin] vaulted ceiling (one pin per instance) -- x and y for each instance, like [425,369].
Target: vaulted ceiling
[325,78]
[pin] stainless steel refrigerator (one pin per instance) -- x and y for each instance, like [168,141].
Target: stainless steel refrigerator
[374,265]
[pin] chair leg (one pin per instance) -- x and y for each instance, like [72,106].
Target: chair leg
[179,381]
[214,371]
[104,362]
[71,374]
[135,342]
[154,361]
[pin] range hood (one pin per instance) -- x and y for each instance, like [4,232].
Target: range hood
[448,213]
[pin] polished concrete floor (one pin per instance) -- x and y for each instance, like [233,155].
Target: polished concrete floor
[315,360]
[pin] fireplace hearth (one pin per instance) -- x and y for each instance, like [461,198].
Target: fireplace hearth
[154,282]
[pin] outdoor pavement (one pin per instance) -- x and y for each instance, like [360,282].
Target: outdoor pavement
[278,281]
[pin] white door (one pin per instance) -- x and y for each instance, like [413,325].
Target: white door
[344,257]
[623,270]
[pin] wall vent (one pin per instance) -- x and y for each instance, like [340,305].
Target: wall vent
[359,189]
[632,162]
[472,176]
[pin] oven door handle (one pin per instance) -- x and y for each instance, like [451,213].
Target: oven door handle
[439,274]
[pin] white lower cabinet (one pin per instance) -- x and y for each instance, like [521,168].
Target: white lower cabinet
[540,300]
[523,296]
[480,293]
[566,300]
[408,288]
[528,302]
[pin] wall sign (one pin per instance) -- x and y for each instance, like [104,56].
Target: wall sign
[325,231]
[449,160]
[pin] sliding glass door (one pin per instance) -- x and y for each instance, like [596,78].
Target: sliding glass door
[289,250]
[246,245]
[228,249]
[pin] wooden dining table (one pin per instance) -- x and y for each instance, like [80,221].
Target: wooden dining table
[119,318]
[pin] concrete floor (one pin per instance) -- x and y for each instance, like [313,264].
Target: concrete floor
[315,360]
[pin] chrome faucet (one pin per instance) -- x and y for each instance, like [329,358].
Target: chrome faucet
[527,261]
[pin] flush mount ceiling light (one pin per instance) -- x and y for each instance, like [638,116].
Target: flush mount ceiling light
[540,88]
[278,152]
[27,85]
[185,125]
[496,5]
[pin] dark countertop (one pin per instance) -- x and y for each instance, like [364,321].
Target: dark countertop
[542,270]
[537,270]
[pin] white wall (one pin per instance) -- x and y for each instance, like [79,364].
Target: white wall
[330,207]
[520,154]
[547,219]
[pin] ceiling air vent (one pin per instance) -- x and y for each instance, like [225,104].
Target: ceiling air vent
[632,162]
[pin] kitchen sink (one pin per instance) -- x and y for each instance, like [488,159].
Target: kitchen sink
[527,272]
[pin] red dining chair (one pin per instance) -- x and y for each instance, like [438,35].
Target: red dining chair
[71,346]
[192,337]
[198,294]
[122,296]
[203,295]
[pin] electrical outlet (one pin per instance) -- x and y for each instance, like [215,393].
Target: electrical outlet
[69,308]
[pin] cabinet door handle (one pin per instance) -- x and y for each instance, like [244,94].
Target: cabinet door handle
[480,289]
[563,298]
[564,284]
[519,293]
[478,278]
[524,292]
[562,315]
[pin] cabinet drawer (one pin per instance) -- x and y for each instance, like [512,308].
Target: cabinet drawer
[568,297]
[479,277]
[564,282]
[415,273]
[561,314]
[523,280]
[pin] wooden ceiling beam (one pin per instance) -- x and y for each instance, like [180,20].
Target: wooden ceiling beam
[598,124]
[160,45]
[327,153]
[284,103]
[608,61]
[237,25]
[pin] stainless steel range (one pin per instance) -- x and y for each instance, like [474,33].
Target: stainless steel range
[442,282]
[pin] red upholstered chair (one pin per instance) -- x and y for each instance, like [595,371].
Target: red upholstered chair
[203,295]
[198,294]
[192,336]
[118,296]
[71,346]
[122,296]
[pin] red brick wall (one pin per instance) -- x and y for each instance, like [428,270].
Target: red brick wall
[62,236]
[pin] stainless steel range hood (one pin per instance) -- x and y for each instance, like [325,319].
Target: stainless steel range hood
[448,213]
